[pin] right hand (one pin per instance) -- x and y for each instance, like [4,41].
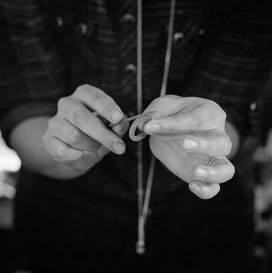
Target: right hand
[77,137]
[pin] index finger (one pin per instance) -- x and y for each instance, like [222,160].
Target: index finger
[87,122]
[97,100]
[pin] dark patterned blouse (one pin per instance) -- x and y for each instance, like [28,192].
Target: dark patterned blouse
[221,51]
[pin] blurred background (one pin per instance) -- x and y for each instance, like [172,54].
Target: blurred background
[9,170]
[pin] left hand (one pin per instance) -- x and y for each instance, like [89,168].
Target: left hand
[184,134]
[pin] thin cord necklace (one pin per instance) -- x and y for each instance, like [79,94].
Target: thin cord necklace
[144,195]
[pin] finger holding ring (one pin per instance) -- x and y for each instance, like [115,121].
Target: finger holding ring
[134,127]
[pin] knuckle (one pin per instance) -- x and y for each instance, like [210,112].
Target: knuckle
[231,171]
[214,112]
[103,136]
[220,115]
[48,143]
[228,147]
[102,98]
[80,116]
[74,137]
[51,123]
[172,124]
[159,100]
[81,88]
[98,95]
[195,122]
[62,102]
[61,153]
[46,140]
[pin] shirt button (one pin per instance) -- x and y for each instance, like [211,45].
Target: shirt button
[177,38]
[201,31]
[253,106]
[130,68]
[131,114]
[59,21]
[82,28]
[181,12]
[128,19]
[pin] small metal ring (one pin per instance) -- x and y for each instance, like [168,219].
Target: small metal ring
[209,162]
[134,127]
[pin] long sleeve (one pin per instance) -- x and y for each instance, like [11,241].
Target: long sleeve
[31,72]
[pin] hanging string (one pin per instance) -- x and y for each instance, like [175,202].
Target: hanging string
[140,189]
[143,205]
[168,48]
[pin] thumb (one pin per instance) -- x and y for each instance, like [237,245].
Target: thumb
[179,123]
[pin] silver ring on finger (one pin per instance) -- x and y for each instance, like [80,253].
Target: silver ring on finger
[211,159]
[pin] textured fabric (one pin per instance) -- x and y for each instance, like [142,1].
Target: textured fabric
[222,56]
[221,51]
[265,113]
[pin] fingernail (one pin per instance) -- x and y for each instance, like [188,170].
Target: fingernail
[116,115]
[195,186]
[201,173]
[152,128]
[118,147]
[190,144]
